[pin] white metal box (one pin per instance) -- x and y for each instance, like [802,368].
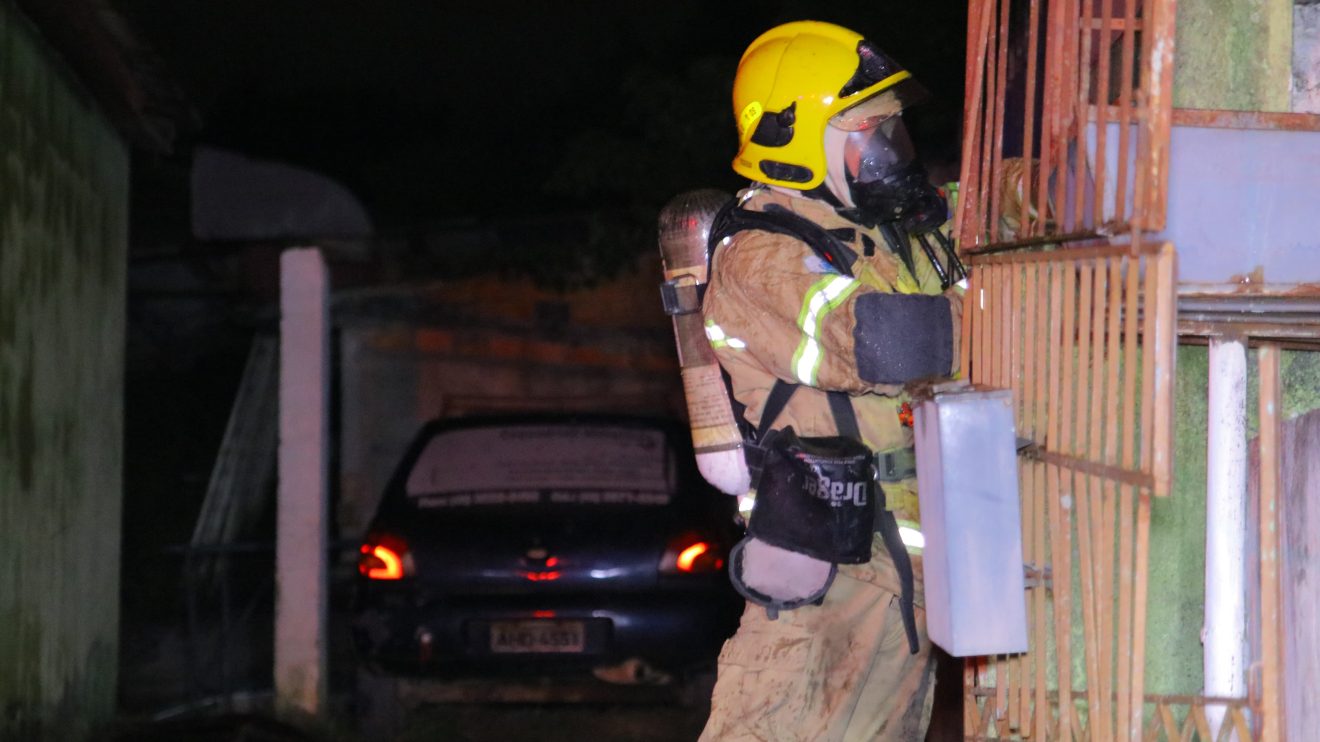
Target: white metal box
[971,518]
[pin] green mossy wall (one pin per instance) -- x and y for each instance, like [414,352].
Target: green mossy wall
[63,245]
[1234,55]
[1177,543]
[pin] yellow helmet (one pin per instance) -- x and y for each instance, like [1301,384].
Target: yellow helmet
[792,81]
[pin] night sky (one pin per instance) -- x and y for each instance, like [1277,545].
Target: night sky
[430,110]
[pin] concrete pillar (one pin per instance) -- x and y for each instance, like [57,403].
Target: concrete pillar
[301,593]
[1225,629]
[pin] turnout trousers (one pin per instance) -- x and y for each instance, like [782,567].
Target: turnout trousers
[840,672]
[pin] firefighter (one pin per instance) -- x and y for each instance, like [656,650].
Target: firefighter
[832,289]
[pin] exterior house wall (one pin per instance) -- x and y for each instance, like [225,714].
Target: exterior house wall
[63,241]
[1234,55]
[1231,55]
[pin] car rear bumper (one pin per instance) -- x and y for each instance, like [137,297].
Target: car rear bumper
[671,631]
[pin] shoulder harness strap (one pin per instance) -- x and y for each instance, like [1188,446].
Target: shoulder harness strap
[733,219]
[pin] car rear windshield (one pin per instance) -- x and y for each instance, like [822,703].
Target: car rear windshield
[537,464]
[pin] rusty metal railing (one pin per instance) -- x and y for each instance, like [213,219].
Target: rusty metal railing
[1066,120]
[1084,338]
[1168,719]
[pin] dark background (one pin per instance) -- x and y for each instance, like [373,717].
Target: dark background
[585,115]
[436,110]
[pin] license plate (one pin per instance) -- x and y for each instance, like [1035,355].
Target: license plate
[537,636]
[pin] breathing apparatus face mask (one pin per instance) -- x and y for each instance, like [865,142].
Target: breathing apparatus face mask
[884,181]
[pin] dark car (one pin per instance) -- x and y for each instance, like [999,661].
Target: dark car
[524,545]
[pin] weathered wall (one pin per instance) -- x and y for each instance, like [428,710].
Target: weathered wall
[1306,57]
[1234,55]
[1242,55]
[1248,55]
[489,345]
[63,241]
[1177,544]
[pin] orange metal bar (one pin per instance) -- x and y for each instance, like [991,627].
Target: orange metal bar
[1131,361]
[1078,344]
[1027,228]
[1001,694]
[1016,341]
[1087,45]
[968,324]
[1103,504]
[1020,709]
[1037,287]
[1072,147]
[985,297]
[1033,419]
[997,136]
[995,316]
[1215,119]
[1102,104]
[1164,341]
[1159,277]
[987,319]
[1148,365]
[1159,61]
[1085,34]
[1073,253]
[1124,112]
[1086,521]
[1059,119]
[993,97]
[965,224]
[1117,560]
[1060,540]
[1271,526]
[1139,608]
[971,709]
[1053,37]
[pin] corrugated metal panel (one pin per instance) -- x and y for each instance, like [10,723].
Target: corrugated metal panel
[63,242]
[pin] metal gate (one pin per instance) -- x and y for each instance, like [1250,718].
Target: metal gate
[1065,158]
[1084,338]
[1066,120]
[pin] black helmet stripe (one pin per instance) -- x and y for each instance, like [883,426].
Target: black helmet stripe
[873,66]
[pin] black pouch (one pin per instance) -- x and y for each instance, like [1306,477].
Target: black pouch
[816,496]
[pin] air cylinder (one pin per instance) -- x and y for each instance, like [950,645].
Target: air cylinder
[684,230]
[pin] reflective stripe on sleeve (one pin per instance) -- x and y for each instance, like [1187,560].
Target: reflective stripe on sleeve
[822,297]
[718,339]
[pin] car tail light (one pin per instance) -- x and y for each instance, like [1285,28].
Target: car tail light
[385,557]
[692,554]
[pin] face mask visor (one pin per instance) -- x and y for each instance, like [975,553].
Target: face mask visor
[878,154]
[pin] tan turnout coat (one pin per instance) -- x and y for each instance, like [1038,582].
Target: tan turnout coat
[841,670]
